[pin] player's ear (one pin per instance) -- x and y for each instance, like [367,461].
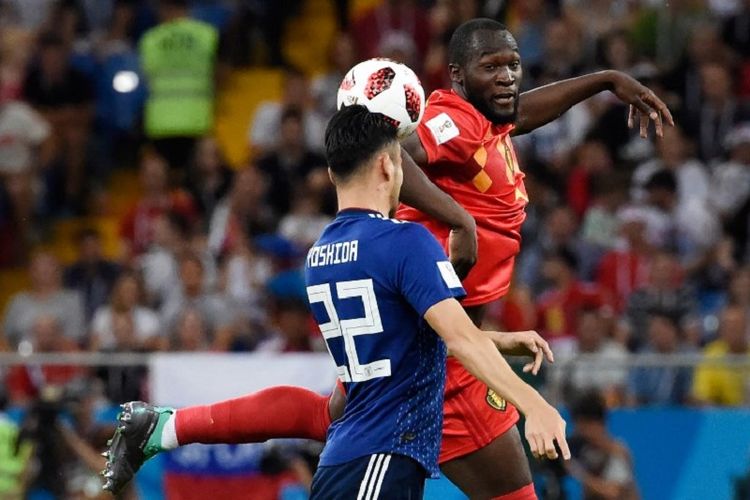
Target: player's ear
[330,176]
[386,166]
[456,73]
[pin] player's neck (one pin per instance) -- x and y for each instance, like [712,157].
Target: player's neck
[363,197]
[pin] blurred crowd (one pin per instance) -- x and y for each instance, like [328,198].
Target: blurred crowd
[630,245]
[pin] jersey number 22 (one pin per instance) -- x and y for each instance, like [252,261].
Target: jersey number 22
[350,328]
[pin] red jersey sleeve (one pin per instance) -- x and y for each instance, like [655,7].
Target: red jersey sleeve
[450,135]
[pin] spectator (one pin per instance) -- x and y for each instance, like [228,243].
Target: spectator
[674,154]
[563,53]
[29,15]
[263,134]
[21,224]
[137,226]
[664,295]
[91,275]
[26,382]
[736,31]
[624,268]
[159,266]
[389,21]
[25,143]
[725,385]
[178,58]
[325,87]
[704,46]
[191,333]
[592,160]
[243,213]
[689,228]
[661,385]
[601,223]
[46,298]
[62,93]
[719,112]
[739,289]
[209,177]
[214,308]
[732,191]
[246,272]
[124,325]
[558,232]
[290,162]
[602,464]
[15,454]
[603,368]
[304,224]
[731,184]
[72,178]
[291,328]
[559,306]
[531,19]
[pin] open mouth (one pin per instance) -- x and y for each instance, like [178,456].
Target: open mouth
[504,98]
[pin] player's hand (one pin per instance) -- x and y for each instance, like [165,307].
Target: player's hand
[462,245]
[544,426]
[645,107]
[528,343]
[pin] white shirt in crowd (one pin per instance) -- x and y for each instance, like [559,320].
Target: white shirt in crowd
[145,326]
[21,130]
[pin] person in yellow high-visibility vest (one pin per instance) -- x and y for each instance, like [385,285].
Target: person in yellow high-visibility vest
[15,457]
[178,59]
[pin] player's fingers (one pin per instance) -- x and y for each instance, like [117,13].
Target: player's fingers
[538,358]
[549,448]
[644,124]
[631,116]
[548,351]
[562,442]
[528,367]
[661,107]
[659,125]
[644,109]
[531,438]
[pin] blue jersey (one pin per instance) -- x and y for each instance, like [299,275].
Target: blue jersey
[369,282]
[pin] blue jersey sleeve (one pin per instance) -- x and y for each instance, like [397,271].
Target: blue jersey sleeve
[424,275]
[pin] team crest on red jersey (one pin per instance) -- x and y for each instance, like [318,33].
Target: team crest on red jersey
[496,401]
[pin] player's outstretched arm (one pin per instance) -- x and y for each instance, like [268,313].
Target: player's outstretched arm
[419,192]
[478,353]
[541,105]
[527,343]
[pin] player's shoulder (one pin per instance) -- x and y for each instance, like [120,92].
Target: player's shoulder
[411,234]
[448,115]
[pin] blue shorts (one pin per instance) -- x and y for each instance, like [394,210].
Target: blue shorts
[383,475]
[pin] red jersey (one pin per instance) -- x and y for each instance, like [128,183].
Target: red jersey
[474,162]
[557,310]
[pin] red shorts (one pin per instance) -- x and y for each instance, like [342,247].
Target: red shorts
[473,415]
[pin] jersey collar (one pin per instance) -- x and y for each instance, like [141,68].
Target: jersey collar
[358,212]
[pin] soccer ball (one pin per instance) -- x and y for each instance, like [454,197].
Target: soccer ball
[386,87]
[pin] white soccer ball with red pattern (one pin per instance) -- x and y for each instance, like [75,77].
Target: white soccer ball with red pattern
[386,87]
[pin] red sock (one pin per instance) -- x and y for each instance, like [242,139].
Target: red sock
[525,493]
[277,412]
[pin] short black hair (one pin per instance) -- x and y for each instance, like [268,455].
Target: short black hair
[353,136]
[589,406]
[564,255]
[291,113]
[662,179]
[460,45]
